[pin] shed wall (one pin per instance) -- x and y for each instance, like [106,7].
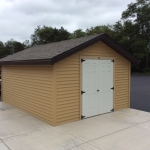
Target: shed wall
[68,82]
[30,89]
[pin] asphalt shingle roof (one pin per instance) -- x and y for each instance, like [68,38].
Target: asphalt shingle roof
[47,51]
[54,52]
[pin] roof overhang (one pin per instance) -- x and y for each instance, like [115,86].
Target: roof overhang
[28,62]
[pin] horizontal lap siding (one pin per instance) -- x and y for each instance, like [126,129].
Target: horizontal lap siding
[30,89]
[68,90]
[68,82]
[122,75]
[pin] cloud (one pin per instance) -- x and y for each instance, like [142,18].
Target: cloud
[19,18]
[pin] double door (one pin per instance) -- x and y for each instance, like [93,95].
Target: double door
[97,87]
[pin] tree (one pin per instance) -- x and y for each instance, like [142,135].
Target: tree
[1,49]
[93,30]
[139,12]
[78,33]
[45,34]
[99,30]
[26,44]
[124,34]
[12,46]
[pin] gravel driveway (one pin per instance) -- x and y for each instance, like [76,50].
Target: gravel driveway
[140,92]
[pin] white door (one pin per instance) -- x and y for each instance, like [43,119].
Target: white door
[90,86]
[97,81]
[105,85]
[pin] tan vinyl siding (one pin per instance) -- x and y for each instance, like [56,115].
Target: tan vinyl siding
[68,82]
[30,89]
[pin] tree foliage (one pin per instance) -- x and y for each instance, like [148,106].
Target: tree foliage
[12,46]
[45,34]
[1,49]
[139,14]
[93,30]
[125,33]
[99,30]
[77,34]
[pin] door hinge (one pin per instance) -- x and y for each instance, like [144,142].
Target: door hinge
[112,88]
[112,109]
[113,60]
[82,117]
[82,92]
[82,60]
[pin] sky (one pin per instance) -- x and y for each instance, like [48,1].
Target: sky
[19,18]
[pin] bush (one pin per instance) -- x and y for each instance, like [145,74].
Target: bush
[146,70]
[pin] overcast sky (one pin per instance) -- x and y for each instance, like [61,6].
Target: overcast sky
[19,18]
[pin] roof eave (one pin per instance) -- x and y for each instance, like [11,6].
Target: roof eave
[120,50]
[27,62]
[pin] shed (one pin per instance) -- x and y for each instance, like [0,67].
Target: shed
[69,80]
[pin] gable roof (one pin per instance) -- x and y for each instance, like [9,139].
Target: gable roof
[54,52]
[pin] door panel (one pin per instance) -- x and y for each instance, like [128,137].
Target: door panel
[90,86]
